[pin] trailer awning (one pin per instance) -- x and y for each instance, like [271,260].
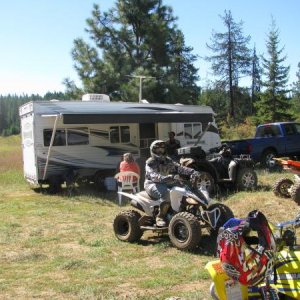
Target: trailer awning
[76,112]
[161,117]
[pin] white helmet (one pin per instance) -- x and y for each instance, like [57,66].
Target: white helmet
[158,149]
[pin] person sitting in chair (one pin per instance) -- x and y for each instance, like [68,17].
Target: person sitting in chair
[128,164]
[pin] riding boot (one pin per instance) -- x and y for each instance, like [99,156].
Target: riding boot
[163,209]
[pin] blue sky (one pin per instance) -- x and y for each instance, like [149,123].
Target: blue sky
[36,36]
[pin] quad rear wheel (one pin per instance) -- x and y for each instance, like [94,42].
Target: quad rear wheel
[206,180]
[246,179]
[126,226]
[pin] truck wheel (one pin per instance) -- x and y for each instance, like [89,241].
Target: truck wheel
[226,214]
[267,161]
[295,192]
[281,187]
[246,179]
[126,226]
[184,231]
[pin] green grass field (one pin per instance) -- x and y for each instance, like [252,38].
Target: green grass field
[60,247]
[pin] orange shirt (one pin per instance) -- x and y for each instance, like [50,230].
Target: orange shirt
[133,167]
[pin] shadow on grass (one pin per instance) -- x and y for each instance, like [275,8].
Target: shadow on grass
[263,188]
[207,245]
[224,193]
[79,192]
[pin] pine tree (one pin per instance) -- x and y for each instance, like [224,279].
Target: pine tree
[135,37]
[273,104]
[256,80]
[232,57]
[296,95]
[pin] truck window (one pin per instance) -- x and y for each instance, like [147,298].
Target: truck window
[119,134]
[268,131]
[77,136]
[59,138]
[297,128]
[289,129]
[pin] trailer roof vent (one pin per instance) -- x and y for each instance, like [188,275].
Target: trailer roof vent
[96,97]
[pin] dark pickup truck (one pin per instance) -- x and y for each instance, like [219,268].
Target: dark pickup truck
[281,139]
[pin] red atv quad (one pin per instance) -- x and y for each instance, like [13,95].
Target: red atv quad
[285,187]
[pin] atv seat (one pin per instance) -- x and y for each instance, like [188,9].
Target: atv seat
[145,195]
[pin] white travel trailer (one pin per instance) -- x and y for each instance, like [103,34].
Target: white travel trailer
[89,137]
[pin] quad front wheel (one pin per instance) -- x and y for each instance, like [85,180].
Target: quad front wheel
[225,214]
[246,179]
[282,187]
[184,231]
[126,226]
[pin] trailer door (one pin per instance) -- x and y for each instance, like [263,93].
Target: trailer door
[29,161]
[147,136]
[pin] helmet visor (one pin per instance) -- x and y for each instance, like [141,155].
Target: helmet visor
[159,148]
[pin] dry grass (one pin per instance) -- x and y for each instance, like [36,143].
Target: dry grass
[10,153]
[59,247]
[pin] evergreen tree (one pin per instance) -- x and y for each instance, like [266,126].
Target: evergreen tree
[232,58]
[217,98]
[296,95]
[256,80]
[136,38]
[274,104]
[9,110]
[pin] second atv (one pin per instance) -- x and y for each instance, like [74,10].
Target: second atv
[216,172]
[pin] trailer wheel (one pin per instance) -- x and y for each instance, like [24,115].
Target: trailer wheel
[282,187]
[98,180]
[295,192]
[54,185]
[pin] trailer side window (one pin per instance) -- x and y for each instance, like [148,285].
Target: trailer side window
[59,138]
[77,136]
[119,134]
[192,130]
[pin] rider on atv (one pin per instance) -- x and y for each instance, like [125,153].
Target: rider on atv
[160,172]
